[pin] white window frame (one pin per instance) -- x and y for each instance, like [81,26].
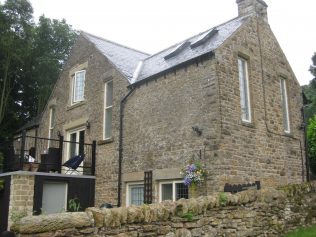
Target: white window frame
[244,90]
[69,132]
[285,106]
[173,182]
[128,190]
[74,82]
[67,155]
[106,108]
[51,125]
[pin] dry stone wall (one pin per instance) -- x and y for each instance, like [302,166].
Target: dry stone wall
[266,212]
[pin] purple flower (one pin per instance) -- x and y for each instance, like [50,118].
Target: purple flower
[192,167]
[187,181]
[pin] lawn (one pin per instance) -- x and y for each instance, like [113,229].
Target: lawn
[303,232]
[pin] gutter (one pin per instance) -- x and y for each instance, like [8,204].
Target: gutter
[197,59]
[119,182]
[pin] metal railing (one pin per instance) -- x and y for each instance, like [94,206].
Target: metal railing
[45,154]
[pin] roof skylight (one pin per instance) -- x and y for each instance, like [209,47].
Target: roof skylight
[203,38]
[177,50]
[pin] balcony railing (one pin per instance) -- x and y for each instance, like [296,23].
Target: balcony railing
[40,154]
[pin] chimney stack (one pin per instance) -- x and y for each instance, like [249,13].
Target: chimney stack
[257,7]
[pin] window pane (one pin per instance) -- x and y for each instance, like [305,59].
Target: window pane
[52,117]
[166,192]
[109,93]
[181,191]
[51,125]
[137,195]
[285,109]
[108,122]
[79,86]
[244,89]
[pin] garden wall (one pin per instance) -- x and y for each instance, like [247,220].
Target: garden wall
[265,212]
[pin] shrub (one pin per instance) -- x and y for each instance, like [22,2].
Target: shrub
[311,138]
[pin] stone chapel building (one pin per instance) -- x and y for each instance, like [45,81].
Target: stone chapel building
[226,96]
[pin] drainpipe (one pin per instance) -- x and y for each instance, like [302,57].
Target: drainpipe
[119,183]
[305,142]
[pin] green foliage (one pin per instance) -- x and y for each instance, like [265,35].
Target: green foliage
[53,40]
[74,205]
[189,216]
[303,232]
[311,139]
[31,57]
[310,91]
[15,30]
[222,199]
[17,215]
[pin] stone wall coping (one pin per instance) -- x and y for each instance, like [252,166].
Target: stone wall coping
[159,212]
[29,173]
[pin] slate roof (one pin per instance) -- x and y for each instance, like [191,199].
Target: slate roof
[158,63]
[138,66]
[123,58]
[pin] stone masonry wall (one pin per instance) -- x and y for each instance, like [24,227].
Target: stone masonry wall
[21,196]
[98,71]
[266,212]
[259,150]
[158,121]
[160,114]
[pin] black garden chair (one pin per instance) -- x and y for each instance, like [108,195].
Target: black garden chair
[73,163]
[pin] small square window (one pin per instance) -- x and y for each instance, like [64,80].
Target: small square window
[135,194]
[173,190]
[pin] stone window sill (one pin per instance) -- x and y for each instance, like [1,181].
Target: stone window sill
[106,141]
[248,124]
[70,107]
[286,134]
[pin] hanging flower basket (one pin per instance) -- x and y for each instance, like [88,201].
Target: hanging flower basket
[194,176]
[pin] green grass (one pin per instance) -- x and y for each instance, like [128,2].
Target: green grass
[303,232]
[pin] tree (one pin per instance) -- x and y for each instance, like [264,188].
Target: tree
[310,114]
[31,58]
[312,69]
[310,92]
[15,31]
[53,40]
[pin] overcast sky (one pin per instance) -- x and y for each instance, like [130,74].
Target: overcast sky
[151,26]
